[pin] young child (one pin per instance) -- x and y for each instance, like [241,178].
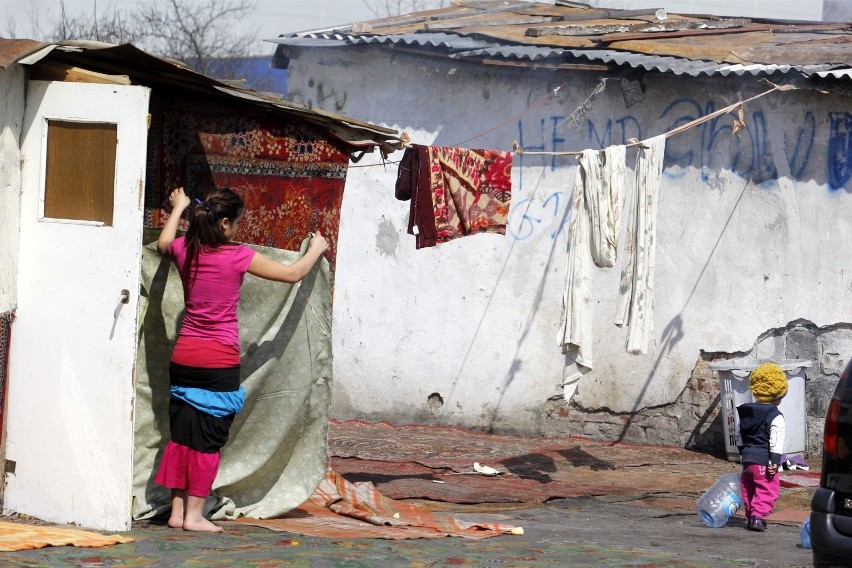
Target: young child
[761,443]
[204,371]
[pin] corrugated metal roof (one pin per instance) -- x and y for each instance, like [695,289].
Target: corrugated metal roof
[572,33]
[146,68]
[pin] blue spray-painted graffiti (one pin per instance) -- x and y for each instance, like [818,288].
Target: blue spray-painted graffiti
[710,147]
[526,217]
[749,154]
[799,152]
[630,128]
[839,149]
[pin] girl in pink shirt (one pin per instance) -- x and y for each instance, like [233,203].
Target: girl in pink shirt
[204,370]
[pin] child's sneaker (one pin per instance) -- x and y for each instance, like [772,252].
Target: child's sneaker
[756,524]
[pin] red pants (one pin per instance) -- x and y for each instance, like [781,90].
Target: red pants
[184,468]
[760,491]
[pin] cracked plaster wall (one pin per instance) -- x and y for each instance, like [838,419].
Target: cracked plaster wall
[750,229]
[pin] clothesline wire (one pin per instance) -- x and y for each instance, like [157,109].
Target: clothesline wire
[384,163]
[517,149]
[677,130]
[405,141]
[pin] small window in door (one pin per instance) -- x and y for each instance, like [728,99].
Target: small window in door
[80,171]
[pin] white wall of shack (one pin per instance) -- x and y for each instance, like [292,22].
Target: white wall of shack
[11,118]
[752,234]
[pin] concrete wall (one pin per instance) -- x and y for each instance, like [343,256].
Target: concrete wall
[11,118]
[752,232]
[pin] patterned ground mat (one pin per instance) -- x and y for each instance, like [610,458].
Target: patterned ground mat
[436,464]
[634,507]
[243,546]
[339,509]
[18,536]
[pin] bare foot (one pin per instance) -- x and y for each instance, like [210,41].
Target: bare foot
[202,526]
[176,522]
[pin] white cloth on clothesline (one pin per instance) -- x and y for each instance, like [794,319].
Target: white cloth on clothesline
[635,305]
[592,236]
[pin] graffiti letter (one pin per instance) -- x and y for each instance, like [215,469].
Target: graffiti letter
[556,197]
[839,149]
[636,132]
[763,160]
[604,141]
[526,225]
[684,159]
[798,158]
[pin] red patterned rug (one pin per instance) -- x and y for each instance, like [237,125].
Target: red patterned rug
[290,174]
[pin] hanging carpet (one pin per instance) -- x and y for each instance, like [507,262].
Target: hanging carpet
[289,173]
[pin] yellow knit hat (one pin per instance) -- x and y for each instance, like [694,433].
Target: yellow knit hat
[768,382]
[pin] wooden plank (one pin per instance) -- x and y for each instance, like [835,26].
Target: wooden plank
[52,71]
[434,15]
[520,20]
[593,30]
[655,28]
[718,31]
[800,54]
[609,15]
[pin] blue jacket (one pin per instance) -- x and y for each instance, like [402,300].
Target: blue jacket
[755,421]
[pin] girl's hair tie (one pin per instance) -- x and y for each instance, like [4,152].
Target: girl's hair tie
[206,207]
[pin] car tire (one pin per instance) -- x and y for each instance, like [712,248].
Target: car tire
[824,561]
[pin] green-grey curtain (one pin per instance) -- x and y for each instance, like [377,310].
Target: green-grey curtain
[276,454]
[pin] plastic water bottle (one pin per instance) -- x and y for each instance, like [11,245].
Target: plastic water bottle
[806,534]
[721,501]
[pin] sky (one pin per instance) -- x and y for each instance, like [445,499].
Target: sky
[271,18]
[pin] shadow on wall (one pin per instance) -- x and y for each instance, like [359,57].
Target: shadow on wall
[494,419]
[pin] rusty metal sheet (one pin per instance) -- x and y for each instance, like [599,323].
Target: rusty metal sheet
[517,34]
[797,54]
[716,48]
[578,26]
[736,30]
[12,50]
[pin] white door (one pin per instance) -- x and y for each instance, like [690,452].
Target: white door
[69,410]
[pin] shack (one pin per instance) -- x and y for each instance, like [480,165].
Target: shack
[94,137]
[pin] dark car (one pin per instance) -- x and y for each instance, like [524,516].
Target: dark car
[831,507]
